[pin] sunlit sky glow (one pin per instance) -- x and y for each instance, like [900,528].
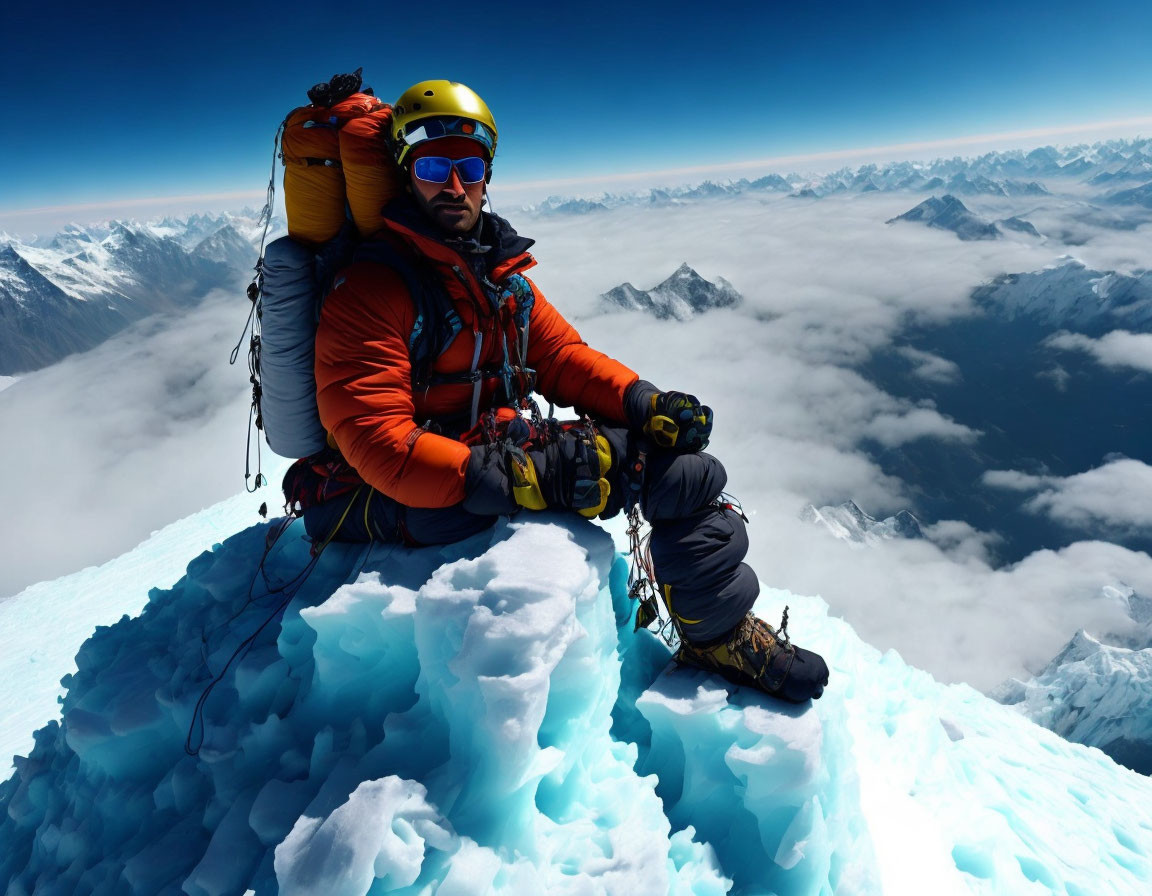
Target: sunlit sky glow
[133,105]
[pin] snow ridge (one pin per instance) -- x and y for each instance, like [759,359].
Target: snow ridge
[1093,693]
[1070,294]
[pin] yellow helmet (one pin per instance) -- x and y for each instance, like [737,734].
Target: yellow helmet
[434,109]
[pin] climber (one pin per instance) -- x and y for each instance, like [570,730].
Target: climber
[432,450]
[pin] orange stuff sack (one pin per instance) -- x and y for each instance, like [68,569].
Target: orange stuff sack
[313,179]
[371,176]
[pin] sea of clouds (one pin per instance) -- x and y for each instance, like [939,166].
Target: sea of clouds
[828,284]
[111,445]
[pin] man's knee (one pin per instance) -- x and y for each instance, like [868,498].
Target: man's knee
[703,548]
[678,485]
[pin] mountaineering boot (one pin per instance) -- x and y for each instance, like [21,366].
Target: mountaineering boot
[752,655]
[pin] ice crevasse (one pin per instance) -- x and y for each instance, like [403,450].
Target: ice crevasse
[482,719]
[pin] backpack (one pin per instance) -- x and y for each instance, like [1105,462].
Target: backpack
[338,177]
[295,280]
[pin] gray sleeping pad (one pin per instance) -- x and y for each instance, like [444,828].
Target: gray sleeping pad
[289,311]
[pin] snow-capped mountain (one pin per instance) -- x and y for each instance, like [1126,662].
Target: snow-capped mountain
[682,296]
[849,523]
[1071,295]
[1141,195]
[557,205]
[90,282]
[1095,694]
[1138,166]
[1019,225]
[769,182]
[1004,174]
[978,184]
[226,246]
[389,731]
[949,213]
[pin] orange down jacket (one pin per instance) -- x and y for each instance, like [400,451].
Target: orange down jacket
[364,370]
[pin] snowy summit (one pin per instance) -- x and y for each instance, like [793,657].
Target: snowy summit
[481,718]
[681,297]
[849,523]
[949,213]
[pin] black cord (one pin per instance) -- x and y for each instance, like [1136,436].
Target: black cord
[289,589]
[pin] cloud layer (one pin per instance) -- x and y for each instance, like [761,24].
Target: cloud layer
[1117,495]
[828,286]
[1116,349]
[110,445]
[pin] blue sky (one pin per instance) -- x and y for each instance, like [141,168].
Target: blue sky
[125,101]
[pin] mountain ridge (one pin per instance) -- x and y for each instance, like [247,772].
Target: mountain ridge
[86,284]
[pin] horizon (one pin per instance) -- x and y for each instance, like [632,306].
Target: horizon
[529,193]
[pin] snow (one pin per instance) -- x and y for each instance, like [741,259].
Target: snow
[679,297]
[1093,693]
[849,523]
[1069,294]
[44,625]
[481,718]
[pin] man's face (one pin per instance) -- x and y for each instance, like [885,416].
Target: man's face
[453,206]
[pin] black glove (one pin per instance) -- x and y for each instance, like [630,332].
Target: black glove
[487,483]
[570,472]
[677,421]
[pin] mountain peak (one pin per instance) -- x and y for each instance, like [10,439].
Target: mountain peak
[949,213]
[681,296]
[849,523]
[88,283]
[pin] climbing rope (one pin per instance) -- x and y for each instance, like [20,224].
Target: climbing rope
[252,323]
[642,582]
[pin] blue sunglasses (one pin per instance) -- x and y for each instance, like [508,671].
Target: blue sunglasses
[437,169]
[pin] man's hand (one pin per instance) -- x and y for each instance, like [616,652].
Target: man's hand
[678,421]
[569,473]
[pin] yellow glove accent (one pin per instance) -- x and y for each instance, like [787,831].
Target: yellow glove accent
[525,486]
[663,430]
[604,456]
